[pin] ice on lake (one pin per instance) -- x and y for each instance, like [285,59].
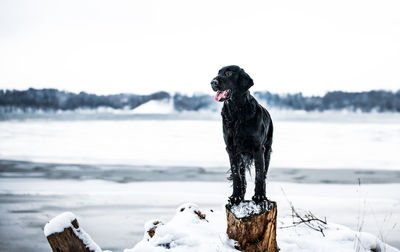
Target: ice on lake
[330,140]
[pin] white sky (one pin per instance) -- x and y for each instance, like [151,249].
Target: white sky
[143,46]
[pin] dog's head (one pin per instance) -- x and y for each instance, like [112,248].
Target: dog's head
[231,81]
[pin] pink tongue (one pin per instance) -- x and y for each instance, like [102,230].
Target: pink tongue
[220,95]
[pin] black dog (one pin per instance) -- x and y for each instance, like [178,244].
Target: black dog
[247,128]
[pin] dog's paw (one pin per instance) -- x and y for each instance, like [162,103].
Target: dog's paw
[234,200]
[258,198]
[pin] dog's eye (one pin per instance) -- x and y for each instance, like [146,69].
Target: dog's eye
[228,73]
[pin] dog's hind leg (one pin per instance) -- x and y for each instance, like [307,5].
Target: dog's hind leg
[267,156]
[268,147]
[259,191]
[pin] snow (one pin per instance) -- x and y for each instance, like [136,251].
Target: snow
[151,226]
[337,238]
[59,223]
[245,209]
[187,232]
[155,107]
[377,206]
[64,221]
[132,204]
[87,240]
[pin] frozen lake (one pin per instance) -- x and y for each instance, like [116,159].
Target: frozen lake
[117,171]
[315,140]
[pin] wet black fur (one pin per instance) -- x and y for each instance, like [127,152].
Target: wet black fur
[247,129]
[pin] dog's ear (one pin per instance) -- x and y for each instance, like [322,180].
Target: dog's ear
[246,80]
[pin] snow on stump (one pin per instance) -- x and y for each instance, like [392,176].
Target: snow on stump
[64,235]
[253,226]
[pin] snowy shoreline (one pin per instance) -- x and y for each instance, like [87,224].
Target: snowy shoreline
[114,213]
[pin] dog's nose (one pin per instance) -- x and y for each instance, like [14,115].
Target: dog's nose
[214,84]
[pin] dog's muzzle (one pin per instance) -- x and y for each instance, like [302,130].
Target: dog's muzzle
[215,84]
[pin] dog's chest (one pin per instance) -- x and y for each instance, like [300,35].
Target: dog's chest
[239,129]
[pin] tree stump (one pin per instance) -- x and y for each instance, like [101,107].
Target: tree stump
[64,235]
[253,226]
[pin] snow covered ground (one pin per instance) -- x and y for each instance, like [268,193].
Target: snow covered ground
[197,230]
[114,213]
[187,232]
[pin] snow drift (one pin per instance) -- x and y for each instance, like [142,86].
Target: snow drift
[192,229]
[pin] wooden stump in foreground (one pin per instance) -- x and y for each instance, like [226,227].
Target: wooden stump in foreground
[253,226]
[64,235]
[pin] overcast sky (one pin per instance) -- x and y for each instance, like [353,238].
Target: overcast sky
[144,46]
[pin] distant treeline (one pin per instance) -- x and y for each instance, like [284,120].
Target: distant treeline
[53,99]
[377,100]
[193,103]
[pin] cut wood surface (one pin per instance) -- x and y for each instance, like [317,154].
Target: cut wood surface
[253,226]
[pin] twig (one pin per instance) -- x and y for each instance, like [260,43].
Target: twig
[308,219]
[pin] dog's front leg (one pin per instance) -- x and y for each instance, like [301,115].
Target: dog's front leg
[259,192]
[237,195]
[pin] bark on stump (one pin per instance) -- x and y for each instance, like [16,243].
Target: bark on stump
[255,232]
[67,240]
